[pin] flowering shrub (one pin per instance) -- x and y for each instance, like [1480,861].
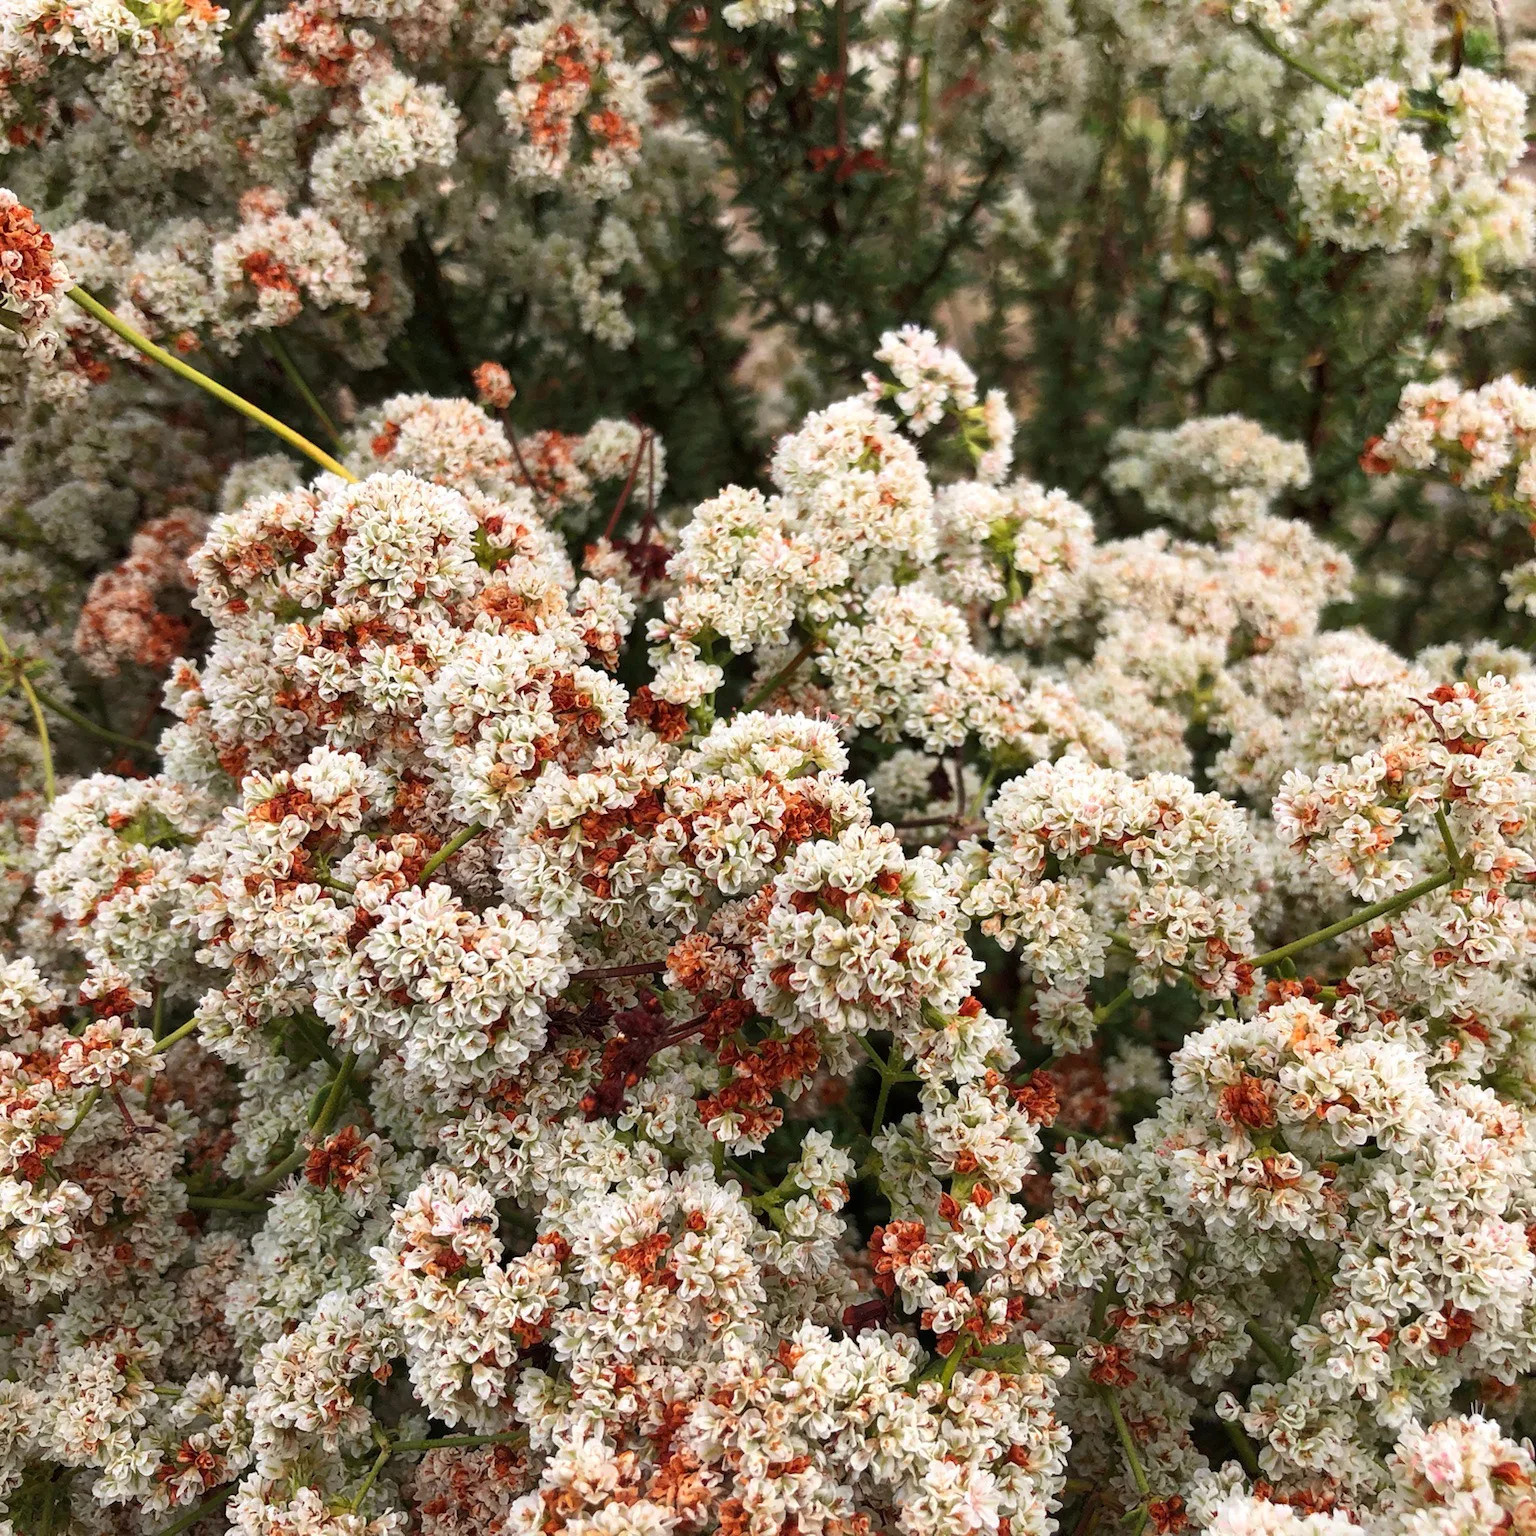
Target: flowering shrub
[714,915]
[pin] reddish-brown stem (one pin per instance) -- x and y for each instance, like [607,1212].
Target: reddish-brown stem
[522,468]
[782,676]
[629,485]
[650,488]
[603,972]
[134,1128]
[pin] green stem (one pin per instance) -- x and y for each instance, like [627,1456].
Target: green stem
[1098,1324]
[1127,1444]
[920,159]
[892,1072]
[1277,1357]
[1364,915]
[512,1437]
[981,794]
[333,1100]
[1272,46]
[311,1033]
[881,1100]
[1314,1269]
[175,1035]
[373,1472]
[197,1512]
[85,723]
[447,851]
[782,676]
[1243,1446]
[952,1364]
[1112,1007]
[50,784]
[142,343]
[86,1106]
[276,1174]
[284,360]
[1447,841]
[225,1203]
[30,694]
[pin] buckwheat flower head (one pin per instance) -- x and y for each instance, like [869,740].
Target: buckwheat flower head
[742,14]
[1216,471]
[275,261]
[859,936]
[31,277]
[1022,549]
[575,108]
[1363,177]
[1243,1514]
[398,127]
[493,386]
[1487,120]
[930,381]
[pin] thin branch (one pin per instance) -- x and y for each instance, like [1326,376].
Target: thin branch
[1364,915]
[141,343]
[447,851]
[1127,1444]
[175,1036]
[782,676]
[914,294]
[512,1437]
[284,360]
[1242,1445]
[317,1132]
[85,723]
[1277,1355]
[38,719]
[603,972]
[522,468]
[629,485]
[1272,46]
[1112,1007]
[225,1203]
[328,1111]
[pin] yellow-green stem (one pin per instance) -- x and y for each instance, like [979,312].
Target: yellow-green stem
[85,723]
[50,785]
[38,718]
[175,1036]
[284,360]
[447,851]
[511,1437]
[1272,46]
[1127,1444]
[141,343]
[1364,915]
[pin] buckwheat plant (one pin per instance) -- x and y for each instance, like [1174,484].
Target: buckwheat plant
[767,769]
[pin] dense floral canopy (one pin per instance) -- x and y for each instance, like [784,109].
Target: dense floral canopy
[767,769]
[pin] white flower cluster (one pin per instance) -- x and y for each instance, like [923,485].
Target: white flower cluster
[1367,180]
[1477,439]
